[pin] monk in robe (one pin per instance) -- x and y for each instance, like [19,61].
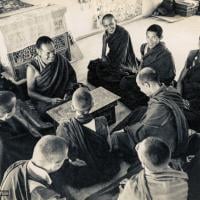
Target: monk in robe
[17,136]
[154,54]
[189,87]
[156,180]
[30,179]
[163,118]
[89,144]
[50,76]
[118,62]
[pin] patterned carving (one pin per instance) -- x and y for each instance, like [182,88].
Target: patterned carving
[11,5]
[21,58]
[122,10]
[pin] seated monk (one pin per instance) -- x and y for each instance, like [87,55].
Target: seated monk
[155,55]
[50,77]
[118,62]
[189,86]
[17,136]
[89,144]
[30,179]
[156,180]
[163,118]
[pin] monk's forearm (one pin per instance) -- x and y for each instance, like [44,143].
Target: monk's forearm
[28,125]
[37,96]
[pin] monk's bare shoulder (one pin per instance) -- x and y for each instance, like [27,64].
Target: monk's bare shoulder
[31,74]
[31,71]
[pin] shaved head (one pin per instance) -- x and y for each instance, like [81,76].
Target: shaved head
[147,75]
[82,99]
[50,151]
[108,16]
[43,40]
[109,23]
[148,81]
[7,104]
[153,152]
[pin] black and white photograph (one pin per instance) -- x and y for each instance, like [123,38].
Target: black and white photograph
[99,99]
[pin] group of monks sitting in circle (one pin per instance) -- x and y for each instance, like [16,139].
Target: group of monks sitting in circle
[83,152]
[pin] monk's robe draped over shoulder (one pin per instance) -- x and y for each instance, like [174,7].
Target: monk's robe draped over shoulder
[166,185]
[120,58]
[160,59]
[163,118]
[191,82]
[90,146]
[171,99]
[15,181]
[17,143]
[121,49]
[55,79]
[25,181]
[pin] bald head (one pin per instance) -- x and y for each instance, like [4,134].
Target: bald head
[109,23]
[50,152]
[82,100]
[153,153]
[7,104]
[107,16]
[148,81]
[43,40]
[147,75]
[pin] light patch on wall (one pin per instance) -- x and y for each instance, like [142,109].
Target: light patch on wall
[122,10]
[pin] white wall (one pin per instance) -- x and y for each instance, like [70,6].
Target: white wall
[80,22]
[149,6]
[80,19]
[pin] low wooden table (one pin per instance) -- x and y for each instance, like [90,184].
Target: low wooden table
[121,112]
[104,104]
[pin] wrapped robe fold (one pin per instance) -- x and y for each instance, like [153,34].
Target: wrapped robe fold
[165,185]
[160,59]
[91,147]
[15,181]
[55,79]
[190,85]
[191,82]
[119,58]
[16,142]
[163,118]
